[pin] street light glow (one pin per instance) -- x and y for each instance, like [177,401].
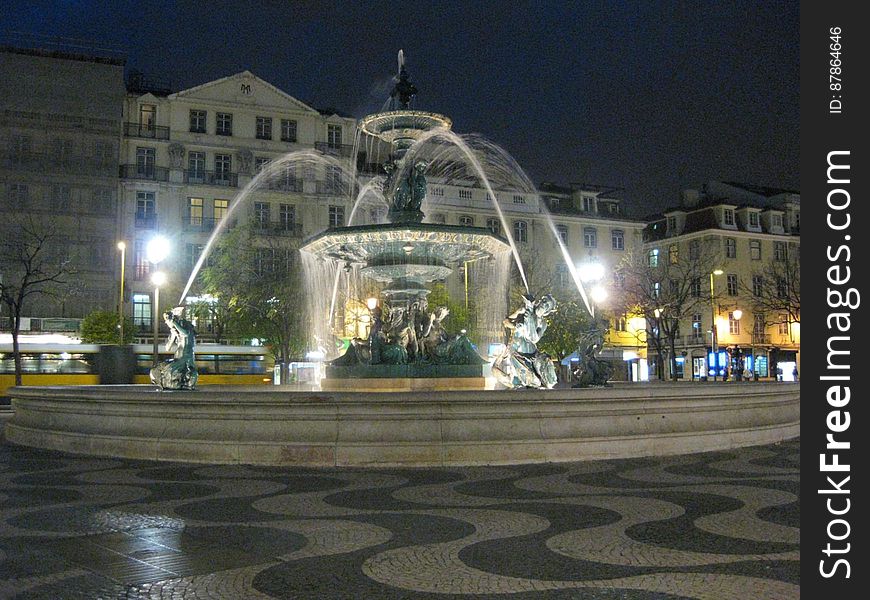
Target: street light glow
[737,314]
[591,271]
[718,272]
[372,303]
[158,278]
[122,246]
[157,249]
[598,294]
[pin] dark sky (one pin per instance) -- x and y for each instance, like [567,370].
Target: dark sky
[646,96]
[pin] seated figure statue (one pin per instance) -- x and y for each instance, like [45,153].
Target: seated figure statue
[521,364]
[592,370]
[179,372]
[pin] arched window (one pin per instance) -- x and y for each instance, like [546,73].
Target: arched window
[466,220]
[493,225]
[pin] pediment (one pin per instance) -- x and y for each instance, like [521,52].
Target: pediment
[243,89]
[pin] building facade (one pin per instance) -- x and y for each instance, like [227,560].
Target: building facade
[751,281]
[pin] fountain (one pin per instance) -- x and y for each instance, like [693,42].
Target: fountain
[409,393]
[406,256]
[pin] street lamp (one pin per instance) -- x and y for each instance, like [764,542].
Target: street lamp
[714,342]
[158,279]
[158,249]
[123,248]
[372,303]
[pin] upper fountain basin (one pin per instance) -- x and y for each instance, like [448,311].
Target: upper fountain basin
[406,243]
[403,124]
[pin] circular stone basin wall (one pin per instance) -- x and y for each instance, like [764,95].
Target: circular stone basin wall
[271,426]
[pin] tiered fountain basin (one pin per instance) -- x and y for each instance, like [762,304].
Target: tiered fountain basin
[273,426]
[406,258]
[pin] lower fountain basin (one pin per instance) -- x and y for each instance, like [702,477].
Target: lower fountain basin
[274,426]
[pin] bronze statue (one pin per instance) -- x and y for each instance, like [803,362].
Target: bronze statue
[591,370]
[179,372]
[521,364]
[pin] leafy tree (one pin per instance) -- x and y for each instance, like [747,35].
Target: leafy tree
[775,290]
[259,281]
[32,263]
[101,327]
[566,326]
[460,317]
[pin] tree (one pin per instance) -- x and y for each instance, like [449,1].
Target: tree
[32,263]
[101,327]
[775,290]
[259,281]
[566,326]
[667,289]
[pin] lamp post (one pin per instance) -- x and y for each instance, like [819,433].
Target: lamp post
[714,342]
[123,248]
[156,251]
[158,279]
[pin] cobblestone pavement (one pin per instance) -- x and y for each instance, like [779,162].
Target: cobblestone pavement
[712,526]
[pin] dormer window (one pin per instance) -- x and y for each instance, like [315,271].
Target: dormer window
[753,219]
[587,204]
[728,217]
[776,221]
[672,224]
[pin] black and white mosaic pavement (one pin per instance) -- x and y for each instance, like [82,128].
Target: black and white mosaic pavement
[716,526]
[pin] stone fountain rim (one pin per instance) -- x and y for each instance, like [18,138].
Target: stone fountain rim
[382,227]
[442,121]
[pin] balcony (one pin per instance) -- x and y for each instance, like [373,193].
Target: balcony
[217,178]
[285,184]
[760,338]
[145,220]
[201,224]
[694,340]
[150,132]
[330,188]
[342,150]
[277,229]
[148,172]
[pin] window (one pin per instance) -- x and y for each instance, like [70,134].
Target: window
[673,287]
[288,130]
[776,221]
[19,195]
[223,164]
[728,216]
[781,287]
[657,290]
[588,205]
[696,287]
[780,252]
[147,116]
[264,128]
[262,214]
[264,261]
[730,248]
[694,249]
[519,199]
[590,237]
[145,162]
[654,257]
[197,121]
[220,209]
[755,250]
[146,216]
[619,279]
[562,274]
[758,324]
[619,323]
[224,124]
[60,197]
[336,216]
[465,194]
[141,266]
[732,284]
[466,221]
[333,180]
[733,324]
[196,167]
[562,230]
[287,216]
[333,136]
[494,226]
[672,224]
[783,328]
[260,163]
[617,239]
[674,254]
[697,334]
[521,231]
[757,285]
[141,311]
[104,153]
[191,254]
[753,219]
[194,211]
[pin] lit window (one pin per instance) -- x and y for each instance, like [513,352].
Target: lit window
[654,257]
[141,310]
[733,324]
[194,211]
[220,209]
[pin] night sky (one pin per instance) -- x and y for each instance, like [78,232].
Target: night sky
[650,97]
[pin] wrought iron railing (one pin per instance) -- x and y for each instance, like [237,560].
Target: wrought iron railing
[149,172]
[220,178]
[343,150]
[153,132]
[198,223]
